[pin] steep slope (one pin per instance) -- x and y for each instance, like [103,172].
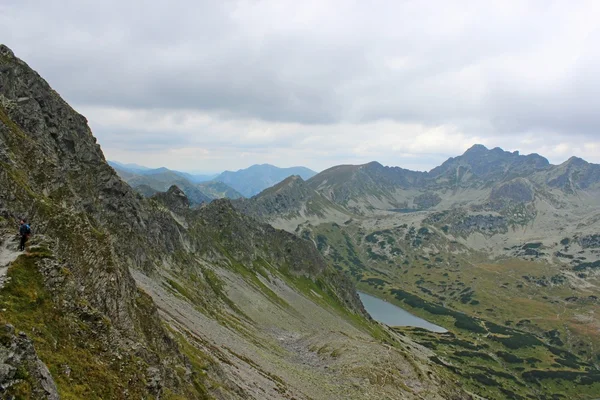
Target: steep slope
[289,203]
[254,179]
[365,187]
[72,293]
[245,311]
[219,190]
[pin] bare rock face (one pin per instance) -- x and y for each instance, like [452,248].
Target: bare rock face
[518,190]
[174,199]
[17,358]
[54,172]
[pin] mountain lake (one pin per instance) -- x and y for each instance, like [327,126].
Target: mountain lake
[392,315]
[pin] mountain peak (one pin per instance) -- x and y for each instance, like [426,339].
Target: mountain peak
[576,161]
[174,198]
[292,179]
[255,179]
[6,51]
[476,149]
[374,164]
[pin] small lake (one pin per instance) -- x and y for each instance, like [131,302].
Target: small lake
[405,210]
[392,315]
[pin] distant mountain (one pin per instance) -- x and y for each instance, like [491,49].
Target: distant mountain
[219,190]
[150,182]
[135,168]
[197,178]
[253,180]
[146,190]
[481,166]
[162,181]
[478,172]
[372,181]
[141,170]
[291,200]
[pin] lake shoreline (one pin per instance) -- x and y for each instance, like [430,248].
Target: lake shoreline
[395,316]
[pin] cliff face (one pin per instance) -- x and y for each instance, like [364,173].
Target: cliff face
[54,173]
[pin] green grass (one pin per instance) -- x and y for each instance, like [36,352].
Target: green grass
[62,340]
[79,342]
[463,294]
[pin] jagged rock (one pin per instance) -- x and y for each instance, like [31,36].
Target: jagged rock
[174,199]
[19,358]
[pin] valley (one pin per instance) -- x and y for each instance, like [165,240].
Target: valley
[498,248]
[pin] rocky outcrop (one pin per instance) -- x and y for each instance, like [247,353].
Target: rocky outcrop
[248,241]
[174,199]
[573,175]
[19,361]
[518,190]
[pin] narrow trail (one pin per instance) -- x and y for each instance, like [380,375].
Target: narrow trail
[8,254]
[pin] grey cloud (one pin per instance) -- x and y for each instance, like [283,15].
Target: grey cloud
[504,68]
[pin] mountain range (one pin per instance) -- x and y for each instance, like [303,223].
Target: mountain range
[498,247]
[124,296]
[204,188]
[252,180]
[120,296]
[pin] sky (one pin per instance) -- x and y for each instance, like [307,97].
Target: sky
[220,85]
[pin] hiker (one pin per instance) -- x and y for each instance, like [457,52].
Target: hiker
[24,231]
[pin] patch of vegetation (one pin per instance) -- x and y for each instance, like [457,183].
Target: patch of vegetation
[321,242]
[578,377]
[462,321]
[518,340]
[536,245]
[587,265]
[375,282]
[483,356]
[509,357]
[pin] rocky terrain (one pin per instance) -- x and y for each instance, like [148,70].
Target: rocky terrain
[121,296]
[499,248]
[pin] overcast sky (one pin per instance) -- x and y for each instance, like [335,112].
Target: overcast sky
[213,85]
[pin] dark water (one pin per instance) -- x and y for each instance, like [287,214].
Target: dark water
[405,210]
[392,315]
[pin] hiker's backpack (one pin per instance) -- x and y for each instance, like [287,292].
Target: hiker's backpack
[27,229]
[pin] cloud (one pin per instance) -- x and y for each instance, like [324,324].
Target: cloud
[319,82]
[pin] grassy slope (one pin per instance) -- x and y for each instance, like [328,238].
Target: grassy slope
[253,300]
[406,260]
[72,348]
